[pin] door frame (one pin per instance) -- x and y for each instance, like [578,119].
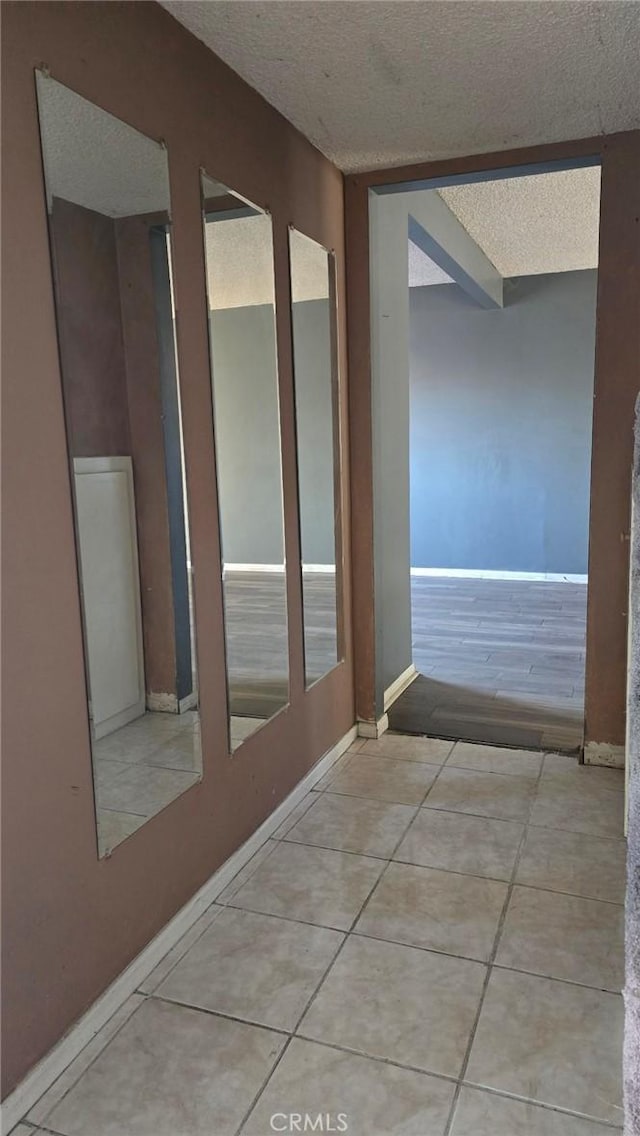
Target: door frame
[616,382]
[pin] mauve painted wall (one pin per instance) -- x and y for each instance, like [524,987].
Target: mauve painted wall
[90,327]
[501,410]
[72,922]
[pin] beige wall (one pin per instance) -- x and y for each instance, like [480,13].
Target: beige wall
[72,922]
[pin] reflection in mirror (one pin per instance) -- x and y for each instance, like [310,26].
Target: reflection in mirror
[313,315]
[240,286]
[108,208]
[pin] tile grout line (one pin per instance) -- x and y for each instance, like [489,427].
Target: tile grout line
[451,1080]
[39,1124]
[352,930]
[255,1100]
[226,902]
[391,858]
[491,961]
[293,1033]
[460,1080]
[215,915]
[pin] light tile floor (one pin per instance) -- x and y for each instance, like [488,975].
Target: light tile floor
[140,768]
[430,945]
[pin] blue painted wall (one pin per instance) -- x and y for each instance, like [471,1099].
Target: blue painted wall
[501,410]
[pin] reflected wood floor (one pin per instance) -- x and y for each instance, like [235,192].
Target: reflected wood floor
[500,662]
[257,637]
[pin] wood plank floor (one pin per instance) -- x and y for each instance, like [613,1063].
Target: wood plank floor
[500,662]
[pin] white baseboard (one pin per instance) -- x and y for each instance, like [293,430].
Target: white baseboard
[330,569]
[42,1076]
[399,686]
[253,568]
[489,574]
[373,729]
[602,753]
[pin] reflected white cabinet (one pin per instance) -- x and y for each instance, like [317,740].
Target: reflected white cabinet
[107,536]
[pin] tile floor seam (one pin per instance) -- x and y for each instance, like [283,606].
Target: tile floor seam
[483,962]
[347,936]
[40,1124]
[352,851]
[456,1081]
[219,1014]
[359,797]
[389,861]
[555,978]
[381,800]
[390,756]
[479,1087]
[326,848]
[478,816]
[418,947]
[518,883]
[227,903]
[490,963]
[575,831]
[263,1086]
[376,1057]
[560,891]
[222,907]
[289,919]
[471,875]
[429,867]
[310,804]
[352,930]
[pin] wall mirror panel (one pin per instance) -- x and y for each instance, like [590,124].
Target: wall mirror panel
[244,374]
[313,316]
[107,189]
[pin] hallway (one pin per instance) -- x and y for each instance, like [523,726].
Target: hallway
[501,662]
[431,944]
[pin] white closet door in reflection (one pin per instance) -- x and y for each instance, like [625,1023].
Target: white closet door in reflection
[244,375]
[313,316]
[109,216]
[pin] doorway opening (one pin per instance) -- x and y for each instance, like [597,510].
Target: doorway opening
[497,335]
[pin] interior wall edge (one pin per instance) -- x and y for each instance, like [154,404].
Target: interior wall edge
[617,371]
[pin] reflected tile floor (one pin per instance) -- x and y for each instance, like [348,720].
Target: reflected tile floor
[141,768]
[451,970]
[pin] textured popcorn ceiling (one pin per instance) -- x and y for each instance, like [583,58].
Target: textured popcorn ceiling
[529,225]
[378,84]
[240,265]
[422,270]
[525,226]
[96,160]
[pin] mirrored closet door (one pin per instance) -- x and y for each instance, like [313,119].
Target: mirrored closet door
[244,375]
[107,193]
